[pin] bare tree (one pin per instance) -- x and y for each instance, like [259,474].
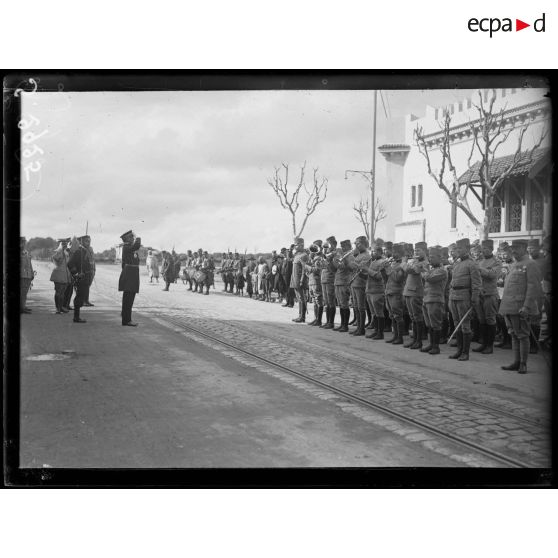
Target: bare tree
[488,133]
[298,197]
[362,214]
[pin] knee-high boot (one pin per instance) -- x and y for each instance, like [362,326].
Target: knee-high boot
[490,333]
[534,339]
[459,339]
[523,354]
[466,345]
[411,341]
[516,355]
[379,329]
[482,339]
[418,336]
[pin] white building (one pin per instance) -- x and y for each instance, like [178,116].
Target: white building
[419,210]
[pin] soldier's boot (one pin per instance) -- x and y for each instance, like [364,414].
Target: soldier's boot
[418,335]
[506,342]
[516,355]
[399,332]
[412,340]
[476,330]
[320,314]
[523,354]
[444,332]
[298,319]
[459,345]
[424,331]
[394,332]
[387,324]
[354,320]
[77,319]
[342,316]
[489,339]
[361,323]
[313,322]
[357,324]
[533,339]
[435,350]
[328,317]
[406,324]
[331,324]
[369,317]
[379,329]
[467,337]
[482,336]
[345,316]
[206,289]
[428,347]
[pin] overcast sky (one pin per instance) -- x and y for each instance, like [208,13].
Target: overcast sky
[190,169]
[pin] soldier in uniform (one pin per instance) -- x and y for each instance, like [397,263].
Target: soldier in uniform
[534,251]
[375,291]
[433,303]
[167,269]
[520,300]
[395,281]
[414,292]
[298,279]
[445,331]
[60,275]
[547,289]
[80,268]
[86,243]
[506,260]
[487,309]
[129,277]
[359,268]
[341,263]
[313,269]
[388,255]
[287,272]
[208,267]
[26,275]
[327,278]
[464,293]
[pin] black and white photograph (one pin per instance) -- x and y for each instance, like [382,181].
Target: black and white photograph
[226,274]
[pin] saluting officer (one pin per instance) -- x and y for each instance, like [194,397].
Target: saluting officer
[60,275]
[487,309]
[414,293]
[522,293]
[395,281]
[129,282]
[80,268]
[375,290]
[435,280]
[298,279]
[465,290]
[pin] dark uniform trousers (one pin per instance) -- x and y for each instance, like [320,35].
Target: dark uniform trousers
[395,306]
[359,299]
[458,309]
[316,293]
[127,303]
[377,303]
[328,293]
[82,291]
[487,309]
[433,313]
[342,294]
[414,307]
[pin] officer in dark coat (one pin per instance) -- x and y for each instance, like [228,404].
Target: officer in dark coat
[299,280]
[81,270]
[129,277]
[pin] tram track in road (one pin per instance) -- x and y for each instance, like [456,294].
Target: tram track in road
[509,459]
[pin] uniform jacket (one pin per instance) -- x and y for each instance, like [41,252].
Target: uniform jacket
[167,269]
[375,284]
[359,278]
[129,277]
[26,266]
[396,277]
[522,288]
[465,274]
[298,278]
[343,271]
[413,283]
[287,270]
[489,269]
[60,273]
[313,269]
[79,262]
[435,280]
[327,271]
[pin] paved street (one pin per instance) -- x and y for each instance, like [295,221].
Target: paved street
[162,395]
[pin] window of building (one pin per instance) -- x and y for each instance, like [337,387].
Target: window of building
[514,209]
[536,209]
[419,195]
[513,91]
[496,223]
[460,107]
[453,223]
[413,196]
[469,103]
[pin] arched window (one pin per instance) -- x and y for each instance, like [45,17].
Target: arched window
[413,196]
[419,195]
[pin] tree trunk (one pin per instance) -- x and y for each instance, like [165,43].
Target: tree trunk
[484,227]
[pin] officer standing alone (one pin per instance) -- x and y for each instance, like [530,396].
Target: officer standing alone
[128,283]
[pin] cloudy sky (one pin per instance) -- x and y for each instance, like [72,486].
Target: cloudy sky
[190,169]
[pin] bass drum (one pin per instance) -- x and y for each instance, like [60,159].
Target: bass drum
[199,276]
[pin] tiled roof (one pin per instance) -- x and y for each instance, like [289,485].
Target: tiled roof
[501,164]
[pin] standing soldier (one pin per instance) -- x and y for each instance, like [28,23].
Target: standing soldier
[298,279]
[522,293]
[414,292]
[208,267]
[435,280]
[313,268]
[506,259]
[129,277]
[445,332]
[534,251]
[375,291]
[26,275]
[465,291]
[80,268]
[86,243]
[487,309]
[60,275]
[395,281]
[359,267]
[327,277]
[167,270]
[341,263]
[547,289]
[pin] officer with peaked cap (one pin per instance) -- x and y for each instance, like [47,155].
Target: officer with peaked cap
[327,278]
[395,282]
[60,275]
[128,282]
[414,293]
[341,263]
[520,300]
[505,258]
[80,267]
[299,279]
[487,309]
[464,293]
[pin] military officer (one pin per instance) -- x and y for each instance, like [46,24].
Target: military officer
[505,257]
[465,291]
[414,293]
[341,262]
[26,275]
[327,278]
[208,267]
[395,282]
[224,278]
[359,268]
[129,282]
[487,309]
[520,301]
[375,290]
[299,279]
[445,331]
[60,275]
[313,269]
[534,251]
[80,268]
[433,304]
[287,272]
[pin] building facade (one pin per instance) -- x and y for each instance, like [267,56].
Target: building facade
[523,202]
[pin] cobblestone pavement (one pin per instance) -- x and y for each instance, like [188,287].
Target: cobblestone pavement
[519,430]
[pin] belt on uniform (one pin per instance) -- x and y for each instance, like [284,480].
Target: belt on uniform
[459,288]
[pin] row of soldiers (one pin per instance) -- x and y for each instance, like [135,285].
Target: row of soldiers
[438,294]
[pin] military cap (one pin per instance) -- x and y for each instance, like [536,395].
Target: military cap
[444,251]
[452,246]
[379,242]
[205,251]
[317,242]
[463,243]
[82,238]
[487,243]
[63,239]
[399,250]
[361,239]
[331,239]
[533,243]
[298,241]
[408,248]
[421,246]
[519,242]
[503,245]
[345,244]
[389,245]
[127,233]
[434,251]
[283,250]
